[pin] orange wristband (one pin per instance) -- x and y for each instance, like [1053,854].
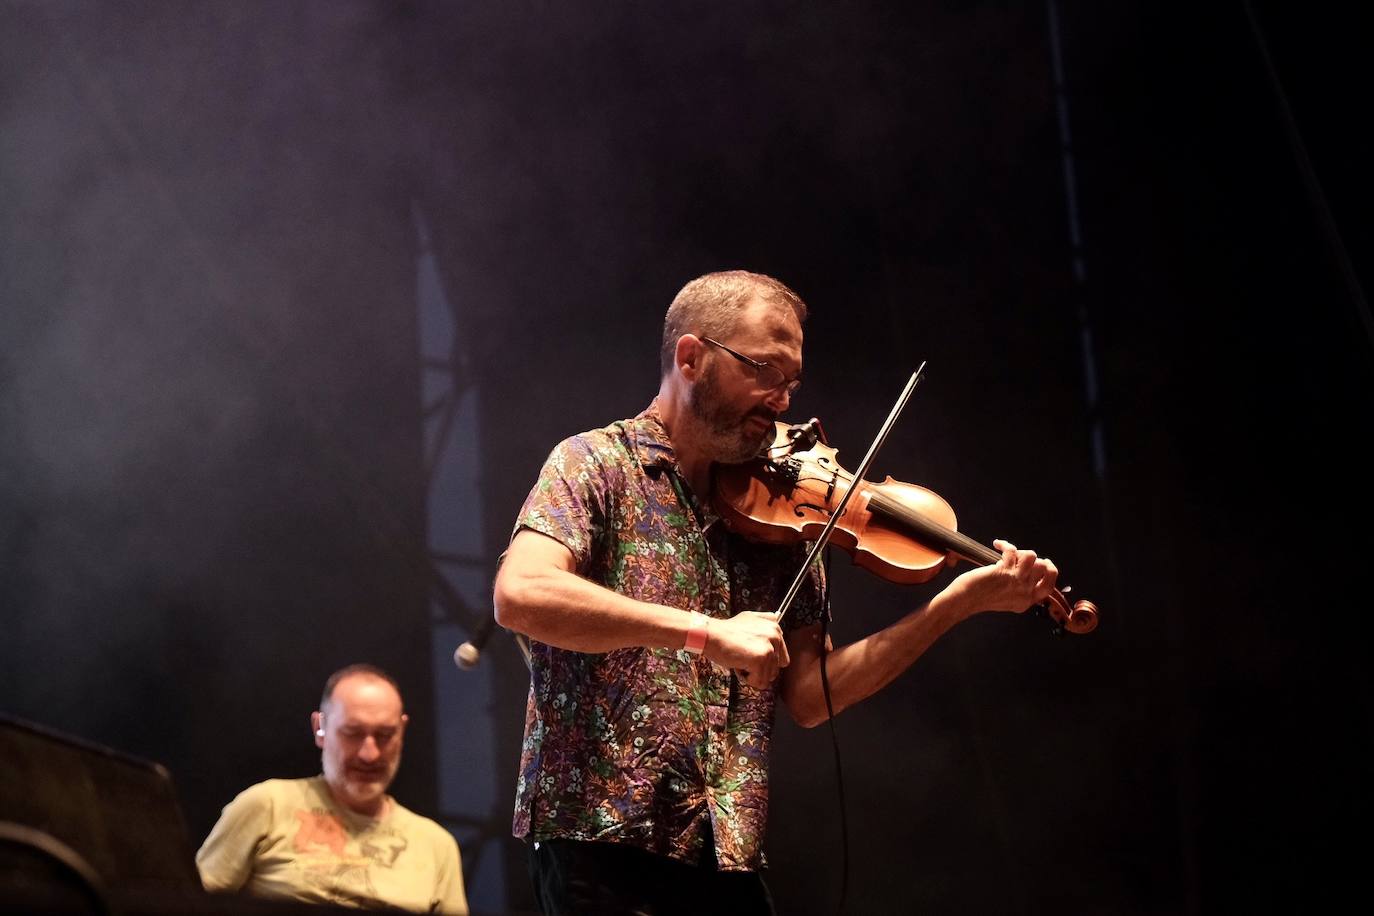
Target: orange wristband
[696,636]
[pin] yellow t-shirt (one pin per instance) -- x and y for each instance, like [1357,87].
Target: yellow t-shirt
[287,838]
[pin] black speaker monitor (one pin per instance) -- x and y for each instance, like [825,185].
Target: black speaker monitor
[118,812]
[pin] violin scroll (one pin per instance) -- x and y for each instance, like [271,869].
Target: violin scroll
[1079,618]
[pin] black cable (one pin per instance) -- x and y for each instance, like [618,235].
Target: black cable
[834,742]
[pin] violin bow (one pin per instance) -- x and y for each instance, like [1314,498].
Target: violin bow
[857,478]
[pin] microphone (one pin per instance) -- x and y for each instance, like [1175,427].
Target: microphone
[467,655]
[804,436]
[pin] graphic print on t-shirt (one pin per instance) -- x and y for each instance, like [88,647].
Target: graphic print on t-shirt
[338,863]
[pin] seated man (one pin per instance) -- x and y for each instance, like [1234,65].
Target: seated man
[339,838]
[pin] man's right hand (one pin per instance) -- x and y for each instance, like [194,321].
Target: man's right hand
[751,643]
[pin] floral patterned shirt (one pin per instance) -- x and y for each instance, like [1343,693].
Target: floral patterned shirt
[655,748]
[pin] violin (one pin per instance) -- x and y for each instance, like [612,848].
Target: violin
[901,532]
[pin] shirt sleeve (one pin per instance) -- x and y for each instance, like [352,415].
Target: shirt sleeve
[569,500]
[225,860]
[448,887]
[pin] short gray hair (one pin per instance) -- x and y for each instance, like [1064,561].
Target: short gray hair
[710,306]
[362,669]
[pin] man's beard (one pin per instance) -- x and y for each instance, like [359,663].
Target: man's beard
[732,441]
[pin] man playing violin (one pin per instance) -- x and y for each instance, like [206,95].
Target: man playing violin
[655,656]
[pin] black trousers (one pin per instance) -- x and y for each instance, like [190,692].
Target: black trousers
[573,878]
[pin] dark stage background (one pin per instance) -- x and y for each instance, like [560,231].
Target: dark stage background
[1137,282]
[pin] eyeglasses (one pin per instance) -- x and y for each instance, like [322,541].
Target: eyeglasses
[768,377]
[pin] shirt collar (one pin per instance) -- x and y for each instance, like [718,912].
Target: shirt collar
[649,439]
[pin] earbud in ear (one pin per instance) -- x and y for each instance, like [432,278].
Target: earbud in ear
[319,733]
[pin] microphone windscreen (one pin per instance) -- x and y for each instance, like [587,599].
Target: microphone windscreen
[466,655]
